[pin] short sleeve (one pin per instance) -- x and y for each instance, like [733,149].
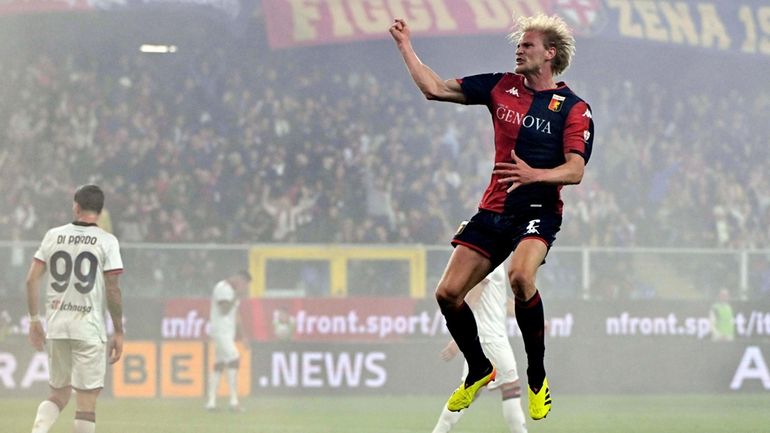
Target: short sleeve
[46,247]
[113,262]
[478,88]
[579,131]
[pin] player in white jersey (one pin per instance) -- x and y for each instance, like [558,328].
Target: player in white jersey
[489,302]
[225,324]
[80,264]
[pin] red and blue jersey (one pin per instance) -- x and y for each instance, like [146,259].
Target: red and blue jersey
[541,126]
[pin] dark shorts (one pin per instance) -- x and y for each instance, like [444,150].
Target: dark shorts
[495,235]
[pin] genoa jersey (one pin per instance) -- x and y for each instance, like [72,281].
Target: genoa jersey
[76,257]
[541,126]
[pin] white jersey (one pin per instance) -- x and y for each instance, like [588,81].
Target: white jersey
[491,308]
[223,325]
[77,255]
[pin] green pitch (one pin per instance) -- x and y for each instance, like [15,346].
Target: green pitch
[394,414]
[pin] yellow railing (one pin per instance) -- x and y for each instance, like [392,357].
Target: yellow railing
[337,257]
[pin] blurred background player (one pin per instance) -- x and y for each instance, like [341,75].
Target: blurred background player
[82,263]
[490,304]
[225,328]
[722,318]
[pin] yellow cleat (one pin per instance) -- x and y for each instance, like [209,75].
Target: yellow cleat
[540,403]
[463,397]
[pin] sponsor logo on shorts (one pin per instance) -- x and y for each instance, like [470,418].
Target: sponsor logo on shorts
[69,306]
[533,226]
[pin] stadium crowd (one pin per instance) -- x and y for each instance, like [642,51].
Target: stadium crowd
[210,145]
[228,153]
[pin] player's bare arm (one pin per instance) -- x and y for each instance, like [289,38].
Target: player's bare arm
[429,82]
[240,330]
[115,307]
[519,173]
[36,331]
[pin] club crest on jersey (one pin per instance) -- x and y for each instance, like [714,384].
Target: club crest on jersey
[556,102]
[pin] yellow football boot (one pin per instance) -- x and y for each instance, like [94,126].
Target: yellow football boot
[463,397]
[540,403]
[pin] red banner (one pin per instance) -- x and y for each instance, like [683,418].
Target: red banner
[31,6]
[310,22]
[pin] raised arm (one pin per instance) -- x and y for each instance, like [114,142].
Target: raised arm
[429,83]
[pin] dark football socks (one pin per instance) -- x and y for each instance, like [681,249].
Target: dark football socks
[529,315]
[462,327]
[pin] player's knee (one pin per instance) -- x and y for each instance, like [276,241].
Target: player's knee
[448,298]
[521,282]
[86,400]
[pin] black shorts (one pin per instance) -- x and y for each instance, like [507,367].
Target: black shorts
[495,235]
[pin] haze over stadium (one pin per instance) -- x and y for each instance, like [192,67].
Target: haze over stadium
[287,139]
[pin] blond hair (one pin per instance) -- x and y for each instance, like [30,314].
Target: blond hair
[556,34]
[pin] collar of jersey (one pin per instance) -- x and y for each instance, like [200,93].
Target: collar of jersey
[83,224]
[559,86]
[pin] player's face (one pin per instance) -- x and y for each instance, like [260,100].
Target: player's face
[531,54]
